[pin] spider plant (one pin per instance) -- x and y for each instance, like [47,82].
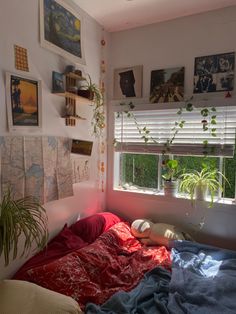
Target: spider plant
[201,181]
[25,217]
[95,94]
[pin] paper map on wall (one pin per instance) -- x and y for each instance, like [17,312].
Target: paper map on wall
[81,168]
[37,166]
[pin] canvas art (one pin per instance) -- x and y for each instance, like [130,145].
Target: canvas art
[167,85]
[61,29]
[23,102]
[214,73]
[128,82]
[58,85]
[81,147]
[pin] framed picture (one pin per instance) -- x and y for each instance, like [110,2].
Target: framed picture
[214,73]
[61,30]
[167,85]
[24,102]
[82,147]
[58,84]
[128,82]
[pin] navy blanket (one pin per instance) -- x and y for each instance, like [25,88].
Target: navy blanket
[203,281]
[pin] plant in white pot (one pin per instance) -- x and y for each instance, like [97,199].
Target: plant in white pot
[171,168]
[24,217]
[198,184]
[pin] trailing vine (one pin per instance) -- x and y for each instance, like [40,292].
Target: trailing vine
[206,113]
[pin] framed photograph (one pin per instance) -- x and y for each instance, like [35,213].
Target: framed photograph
[128,82]
[58,82]
[214,73]
[81,147]
[24,102]
[167,85]
[61,30]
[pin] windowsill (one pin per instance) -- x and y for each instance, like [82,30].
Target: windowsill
[146,192]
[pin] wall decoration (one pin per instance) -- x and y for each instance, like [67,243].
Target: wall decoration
[58,84]
[61,29]
[24,102]
[81,168]
[37,166]
[82,147]
[21,58]
[214,73]
[128,82]
[167,85]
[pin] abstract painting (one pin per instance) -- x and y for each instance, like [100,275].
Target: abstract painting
[214,73]
[167,85]
[23,102]
[61,29]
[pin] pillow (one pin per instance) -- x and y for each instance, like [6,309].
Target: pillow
[161,234]
[65,242]
[141,228]
[21,297]
[90,228]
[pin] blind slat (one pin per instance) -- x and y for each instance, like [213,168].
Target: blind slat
[161,124]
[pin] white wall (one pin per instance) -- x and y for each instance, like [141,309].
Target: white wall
[19,24]
[165,45]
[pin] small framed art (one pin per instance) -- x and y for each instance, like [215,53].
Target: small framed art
[214,73]
[24,102]
[128,82]
[167,85]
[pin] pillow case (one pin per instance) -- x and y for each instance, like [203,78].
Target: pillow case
[90,228]
[141,228]
[21,297]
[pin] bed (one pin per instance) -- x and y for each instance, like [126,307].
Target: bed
[100,264]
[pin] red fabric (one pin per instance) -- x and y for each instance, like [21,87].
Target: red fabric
[115,261]
[65,242]
[91,227]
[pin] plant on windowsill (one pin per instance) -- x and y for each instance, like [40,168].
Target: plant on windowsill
[24,217]
[171,168]
[197,184]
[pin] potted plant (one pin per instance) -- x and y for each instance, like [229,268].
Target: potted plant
[90,90]
[199,183]
[25,217]
[170,167]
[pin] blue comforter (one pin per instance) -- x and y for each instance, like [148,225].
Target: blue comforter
[203,280]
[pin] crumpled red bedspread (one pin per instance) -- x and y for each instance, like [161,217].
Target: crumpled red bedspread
[115,261]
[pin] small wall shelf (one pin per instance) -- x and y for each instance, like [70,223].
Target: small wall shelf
[71,98]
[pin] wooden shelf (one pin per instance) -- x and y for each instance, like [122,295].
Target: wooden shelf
[75,76]
[81,100]
[74,117]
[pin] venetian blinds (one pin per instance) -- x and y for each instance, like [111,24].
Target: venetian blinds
[188,140]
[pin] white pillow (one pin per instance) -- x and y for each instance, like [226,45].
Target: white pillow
[21,297]
[141,228]
[161,234]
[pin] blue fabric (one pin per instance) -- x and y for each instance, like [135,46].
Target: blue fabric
[150,296]
[203,280]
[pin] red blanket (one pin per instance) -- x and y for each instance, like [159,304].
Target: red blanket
[115,261]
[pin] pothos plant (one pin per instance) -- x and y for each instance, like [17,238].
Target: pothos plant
[208,122]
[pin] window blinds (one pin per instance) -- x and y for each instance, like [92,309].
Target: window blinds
[129,129]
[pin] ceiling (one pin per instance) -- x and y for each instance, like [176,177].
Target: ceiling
[117,15]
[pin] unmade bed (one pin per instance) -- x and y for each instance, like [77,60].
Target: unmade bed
[101,265]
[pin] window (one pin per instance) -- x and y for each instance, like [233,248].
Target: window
[140,163]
